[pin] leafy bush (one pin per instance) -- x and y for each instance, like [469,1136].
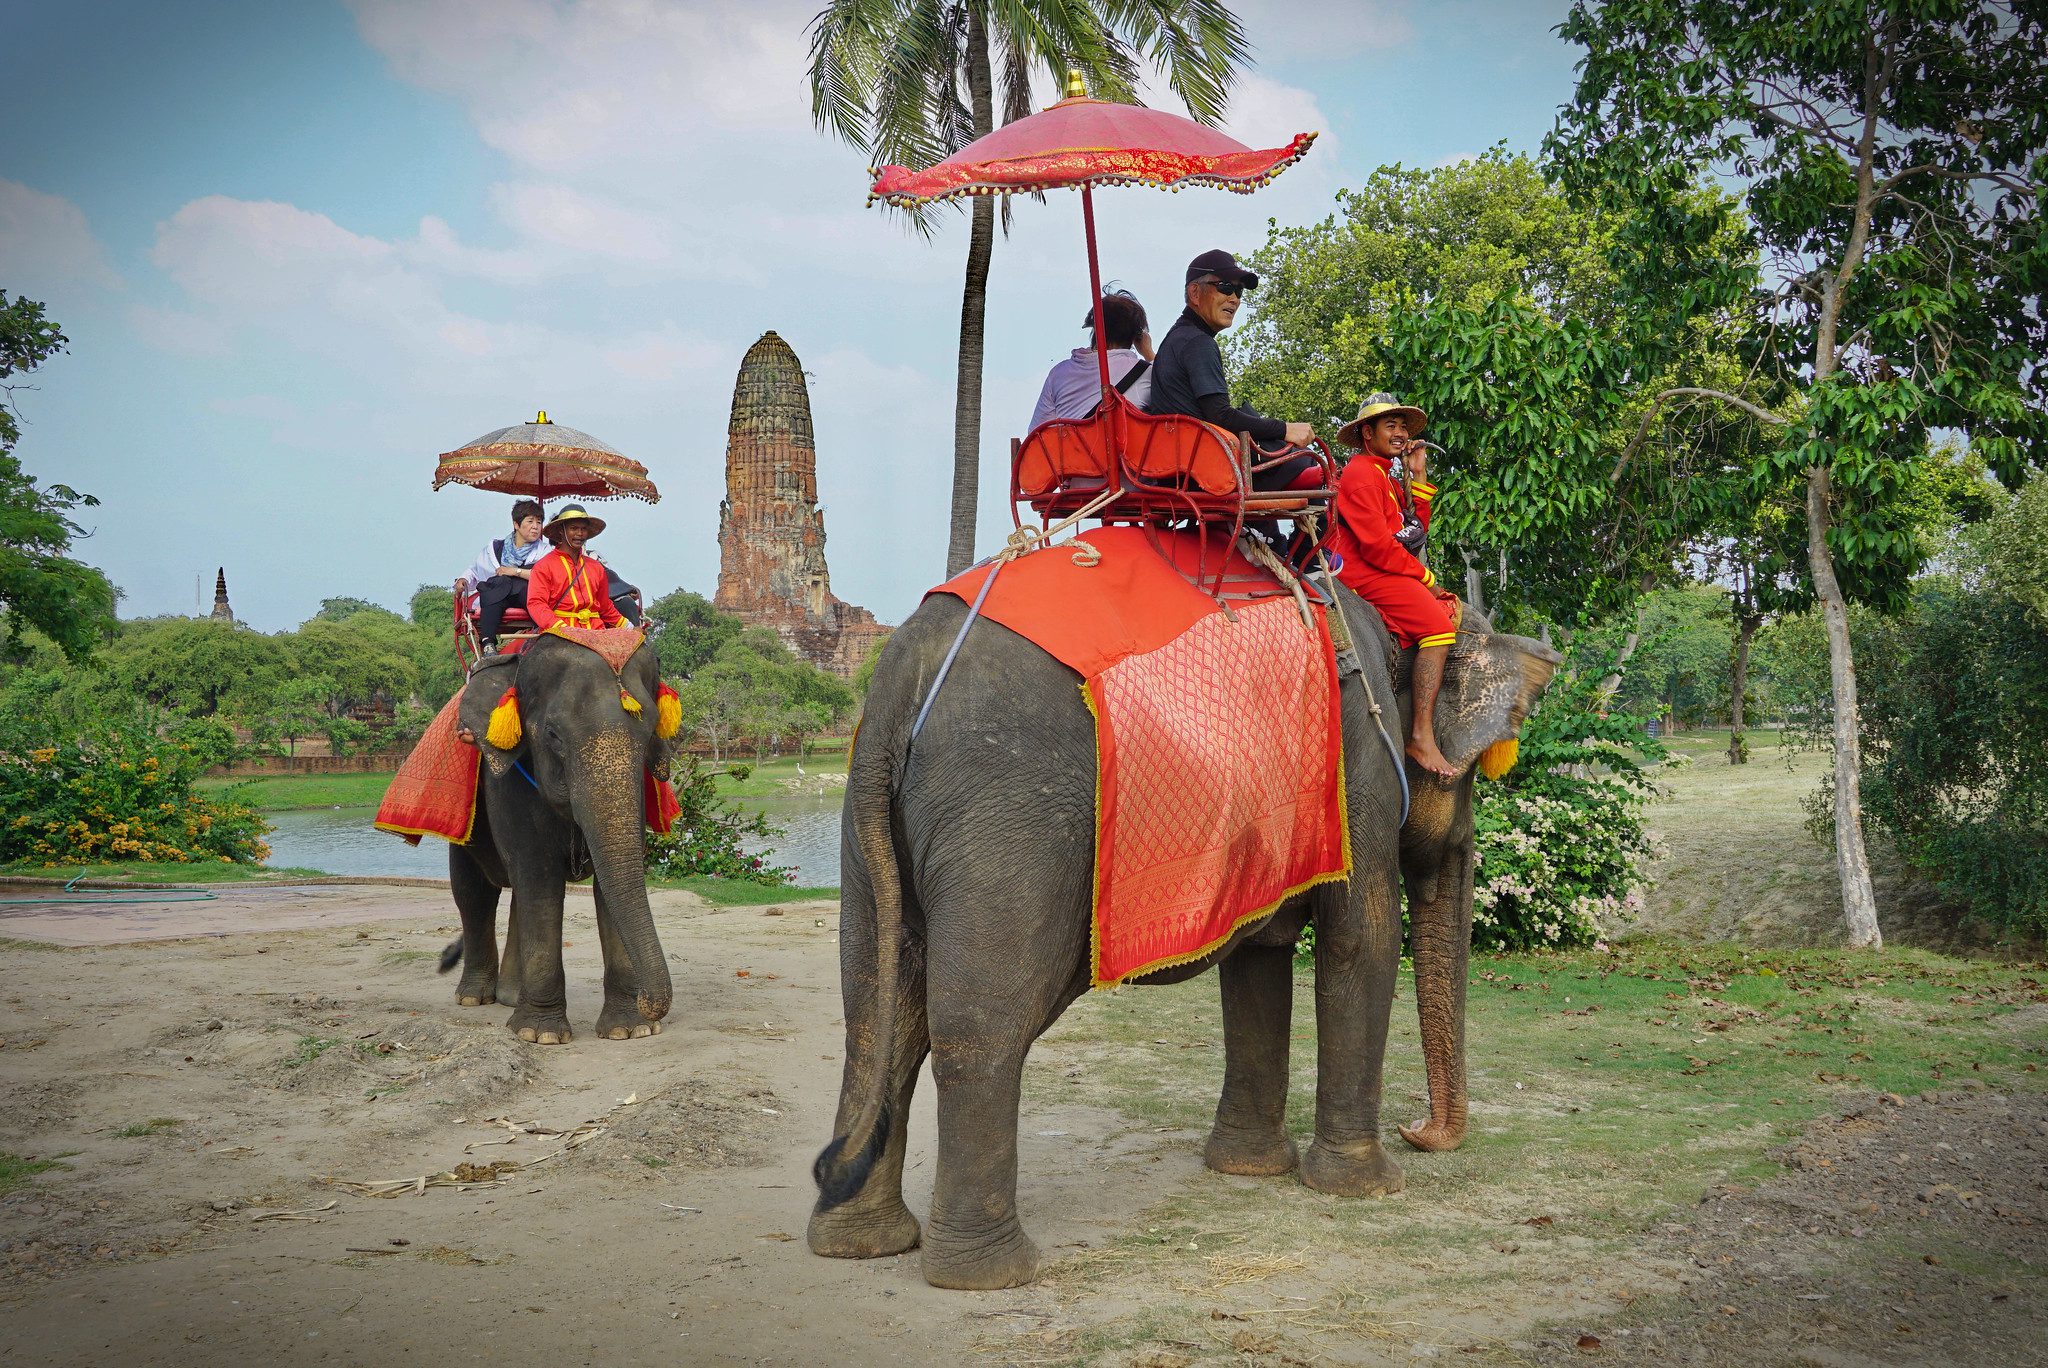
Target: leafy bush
[1560,841]
[120,788]
[708,834]
[1954,703]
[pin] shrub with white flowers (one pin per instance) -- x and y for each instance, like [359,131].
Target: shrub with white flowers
[1563,857]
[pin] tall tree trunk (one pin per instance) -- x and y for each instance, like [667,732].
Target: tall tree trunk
[1852,860]
[981,242]
[1738,680]
[1475,586]
[1611,685]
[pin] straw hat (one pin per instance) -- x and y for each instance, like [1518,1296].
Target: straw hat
[570,513]
[1378,406]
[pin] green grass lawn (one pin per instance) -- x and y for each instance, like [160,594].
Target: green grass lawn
[735,893]
[293,792]
[1608,1092]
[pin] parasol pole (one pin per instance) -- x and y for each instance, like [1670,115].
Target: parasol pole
[1095,288]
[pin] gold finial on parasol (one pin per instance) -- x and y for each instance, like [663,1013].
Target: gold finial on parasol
[541,417]
[1077,89]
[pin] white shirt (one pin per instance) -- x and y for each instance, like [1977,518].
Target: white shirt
[1074,387]
[523,557]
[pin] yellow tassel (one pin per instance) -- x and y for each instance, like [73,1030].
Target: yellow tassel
[505,730]
[629,703]
[668,713]
[1498,758]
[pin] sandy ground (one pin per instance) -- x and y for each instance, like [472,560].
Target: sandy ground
[675,1235]
[213,1095]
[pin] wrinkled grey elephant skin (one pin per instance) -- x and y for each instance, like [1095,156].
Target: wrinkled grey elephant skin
[567,802]
[967,867]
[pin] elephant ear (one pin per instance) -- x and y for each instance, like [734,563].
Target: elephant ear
[1491,682]
[479,697]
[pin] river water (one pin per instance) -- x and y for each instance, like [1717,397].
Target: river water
[344,841]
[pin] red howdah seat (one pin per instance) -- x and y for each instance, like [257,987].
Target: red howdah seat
[1160,465]
[514,631]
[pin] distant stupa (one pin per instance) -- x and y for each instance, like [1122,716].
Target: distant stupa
[771,536]
[221,611]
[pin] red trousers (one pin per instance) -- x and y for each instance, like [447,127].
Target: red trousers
[1412,611]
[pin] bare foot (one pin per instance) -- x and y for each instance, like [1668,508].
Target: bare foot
[465,736]
[1423,751]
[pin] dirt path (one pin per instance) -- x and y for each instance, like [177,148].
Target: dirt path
[675,1236]
[207,1094]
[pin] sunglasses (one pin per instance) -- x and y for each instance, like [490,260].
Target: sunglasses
[1233,288]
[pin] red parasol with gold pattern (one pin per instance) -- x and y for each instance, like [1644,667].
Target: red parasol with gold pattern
[1082,143]
[544,460]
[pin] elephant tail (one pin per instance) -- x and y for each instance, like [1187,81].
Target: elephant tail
[451,954]
[842,1168]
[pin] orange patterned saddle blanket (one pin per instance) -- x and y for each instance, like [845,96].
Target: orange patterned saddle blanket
[1219,742]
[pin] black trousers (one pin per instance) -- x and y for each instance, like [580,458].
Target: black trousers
[493,597]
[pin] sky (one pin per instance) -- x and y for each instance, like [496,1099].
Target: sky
[300,249]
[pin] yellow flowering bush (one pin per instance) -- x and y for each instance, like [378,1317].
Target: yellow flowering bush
[121,788]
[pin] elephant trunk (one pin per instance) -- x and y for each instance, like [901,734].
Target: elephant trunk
[609,809]
[1439,912]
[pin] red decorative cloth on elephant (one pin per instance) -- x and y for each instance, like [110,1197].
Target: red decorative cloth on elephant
[1219,743]
[434,791]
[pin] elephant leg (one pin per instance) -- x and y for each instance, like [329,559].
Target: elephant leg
[542,1016]
[874,1222]
[1358,951]
[973,1239]
[620,1019]
[476,898]
[1440,918]
[1250,1134]
[508,963]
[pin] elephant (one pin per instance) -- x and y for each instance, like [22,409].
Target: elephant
[566,801]
[965,920]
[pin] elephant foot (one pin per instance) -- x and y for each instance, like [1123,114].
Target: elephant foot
[1434,1136]
[1365,1170]
[537,1027]
[625,1023]
[845,1232]
[479,992]
[1251,1153]
[1006,1259]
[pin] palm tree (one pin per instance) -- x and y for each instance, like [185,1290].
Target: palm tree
[910,82]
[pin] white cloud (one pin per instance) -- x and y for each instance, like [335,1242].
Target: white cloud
[569,84]
[46,241]
[565,217]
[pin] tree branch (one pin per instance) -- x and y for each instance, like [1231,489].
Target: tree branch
[1650,415]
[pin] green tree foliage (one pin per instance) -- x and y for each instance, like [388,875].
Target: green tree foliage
[1478,292]
[755,687]
[1889,157]
[1681,668]
[365,657]
[433,607]
[41,586]
[198,667]
[340,609]
[2014,550]
[909,82]
[687,632]
[1954,706]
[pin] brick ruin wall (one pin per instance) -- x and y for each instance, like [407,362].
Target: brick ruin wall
[771,535]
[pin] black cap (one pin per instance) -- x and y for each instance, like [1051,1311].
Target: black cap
[1223,266]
